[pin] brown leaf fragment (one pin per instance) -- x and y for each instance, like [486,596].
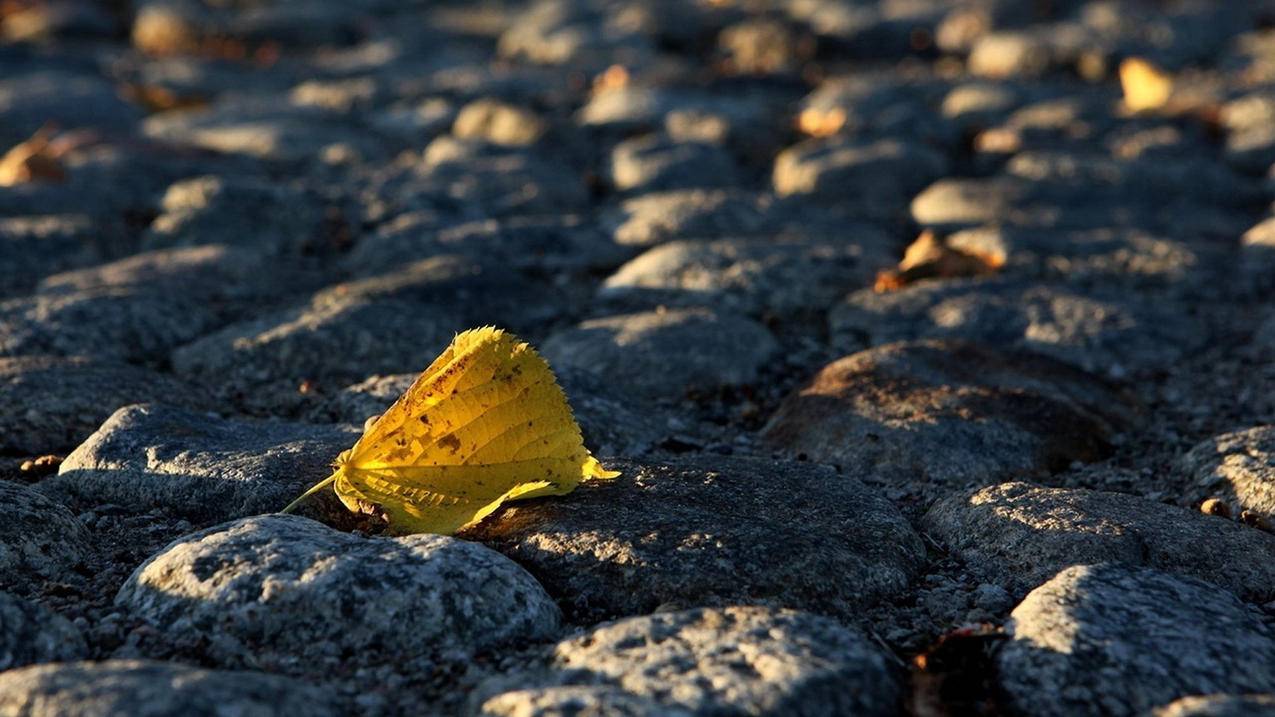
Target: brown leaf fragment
[931,258]
[956,676]
[34,160]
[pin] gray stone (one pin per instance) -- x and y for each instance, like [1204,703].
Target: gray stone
[197,465]
[1250,124]
[1097,330]
[876,177]
[499,123]
[36,246]
[39,539]
[883,104]
[1009,54]
[566,242]
[1220,706]
[979,104]
[126,688]
[568,32]
[1239,467]
[949,413]
[711,531]
[71,100]
[474,180]
[1018,534]
[1074,188]
[663,355]
[967,202]
[1096,257]
[137,309]
[659,163]
[260,128]
[49,404]
[346,95]
[735,660]
[1073,178]
[574,701]
[688,214]
[273,218]
[762,47]
[390,323]
[753,276]
[288,594]
[31,633]
[1119,640]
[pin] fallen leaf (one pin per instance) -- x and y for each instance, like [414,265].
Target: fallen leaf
[930,258]
[818,122]
[34,160]
[485,423]
[1146,87]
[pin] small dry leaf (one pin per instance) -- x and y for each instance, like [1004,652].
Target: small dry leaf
[1146,87]
[35,160]
[614,77]
[42,466]
[930,258]
[485,423]
[821,122]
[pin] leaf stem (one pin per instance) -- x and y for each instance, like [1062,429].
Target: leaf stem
[313,489]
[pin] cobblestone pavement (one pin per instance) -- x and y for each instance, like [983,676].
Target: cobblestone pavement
[933,341]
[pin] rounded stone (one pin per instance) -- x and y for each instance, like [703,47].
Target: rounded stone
[31,633]
[574,701]
[711,531]
[1115,334]
[1018,534]
[689,213]
[39,539]
[196,465]
[948,413]
[289,594]
[499,123]
[1238,467]
[666,354]
[1006,54]
[735,660]
[754,276]
[655,163]
[126,688]
[251,212]
[877,176]
[1115,640]
[49,404]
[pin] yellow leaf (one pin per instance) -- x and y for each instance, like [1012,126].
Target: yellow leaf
[1146,87]
[485,423]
